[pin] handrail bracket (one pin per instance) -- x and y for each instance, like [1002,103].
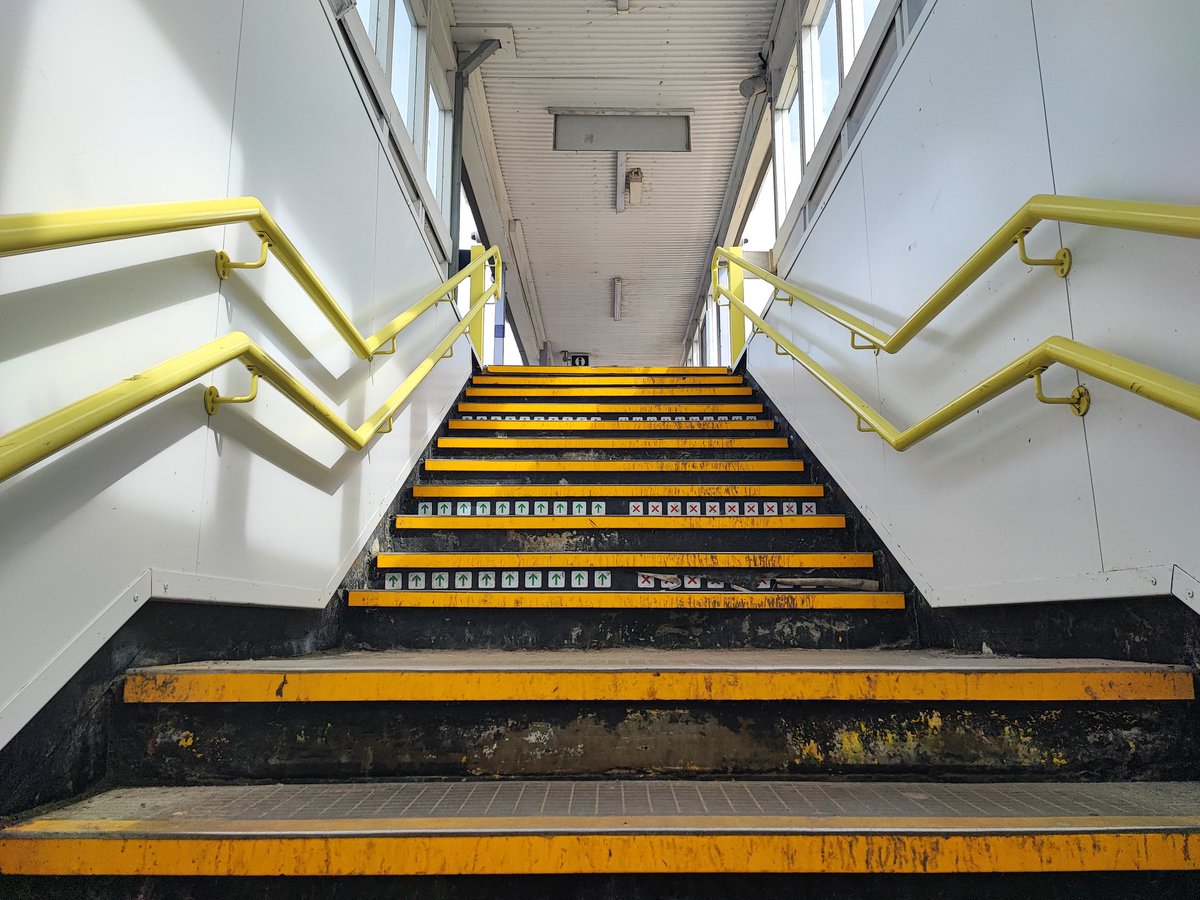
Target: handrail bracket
[1080,400]
[866,346]
[1061,261]
[225,266]
[213,398]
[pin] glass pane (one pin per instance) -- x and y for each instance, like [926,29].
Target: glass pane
[433,146]
[404,51]
[825,67]
[367,11]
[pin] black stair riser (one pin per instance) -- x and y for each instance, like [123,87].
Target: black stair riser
[555,629]
[189,743]
[650,476]
[715,540]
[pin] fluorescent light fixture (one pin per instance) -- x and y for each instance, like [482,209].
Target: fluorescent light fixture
[643,130]
[616,299]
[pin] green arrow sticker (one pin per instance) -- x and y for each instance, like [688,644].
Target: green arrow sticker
[391,580]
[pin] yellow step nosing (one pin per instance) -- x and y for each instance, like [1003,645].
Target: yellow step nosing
[617,490]
[268,683]
[606,370]
[625,600]
[626,560]
[938,847]
[574,522]
[600,409]
[610,425]
[614,465]
[614,391]
[609,380]
[591,443]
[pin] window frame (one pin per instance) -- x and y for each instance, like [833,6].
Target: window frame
[373,80]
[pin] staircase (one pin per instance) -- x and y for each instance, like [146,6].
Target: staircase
[617,630]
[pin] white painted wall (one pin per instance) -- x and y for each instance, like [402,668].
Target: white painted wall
[136,101]
[1019,501]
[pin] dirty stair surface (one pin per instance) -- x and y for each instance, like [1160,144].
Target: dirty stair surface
[601,578]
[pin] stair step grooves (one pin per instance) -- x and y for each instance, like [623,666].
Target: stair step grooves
[613,826]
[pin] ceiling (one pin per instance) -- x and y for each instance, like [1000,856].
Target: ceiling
[662,55]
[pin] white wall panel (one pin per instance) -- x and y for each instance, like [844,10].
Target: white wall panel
[258,504]
[1132,134]
[1019,501]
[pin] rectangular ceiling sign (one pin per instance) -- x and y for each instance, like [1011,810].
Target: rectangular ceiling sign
[622,130]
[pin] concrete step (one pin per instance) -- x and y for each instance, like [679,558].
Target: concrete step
[618,570]
[554,469]
[607,427]
[705,492]
[575,371]
[594,827]
[607,380]
[660,599]
[648,676]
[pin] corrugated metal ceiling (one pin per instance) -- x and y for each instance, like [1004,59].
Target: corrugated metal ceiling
[669,54]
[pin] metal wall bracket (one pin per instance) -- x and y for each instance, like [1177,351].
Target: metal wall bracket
[1061,261]
[449,353]
[866,346]
[858,423]
[386,427]
[389,351]
[213,398]
[1080,400]
[225,266]
[780,352]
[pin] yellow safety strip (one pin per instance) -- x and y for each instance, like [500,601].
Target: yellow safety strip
[284,684]
[609,425]
[468,406]
[618,490]
[614,465]
[538,523]
[529,853]
[530,391]
[588,443]
[606,370]
[607,381]
[680,560]
[621,600]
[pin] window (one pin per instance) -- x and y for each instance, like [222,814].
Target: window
[404,63]
[790,151]
[435,146]
[822,70]
[369,14]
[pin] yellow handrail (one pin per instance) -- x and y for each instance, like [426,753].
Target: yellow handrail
[1154,384]
[30,232]
[32,443]
[1158,218]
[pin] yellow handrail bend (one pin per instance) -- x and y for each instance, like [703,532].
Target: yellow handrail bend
[1158,218]
[25,446]
[1153,384]
[31,232]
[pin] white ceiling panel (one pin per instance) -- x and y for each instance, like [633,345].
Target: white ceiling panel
[581,54]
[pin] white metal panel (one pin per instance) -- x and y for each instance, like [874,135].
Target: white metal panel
[662,55]
[1132,134]
[85,125]
[958,145]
